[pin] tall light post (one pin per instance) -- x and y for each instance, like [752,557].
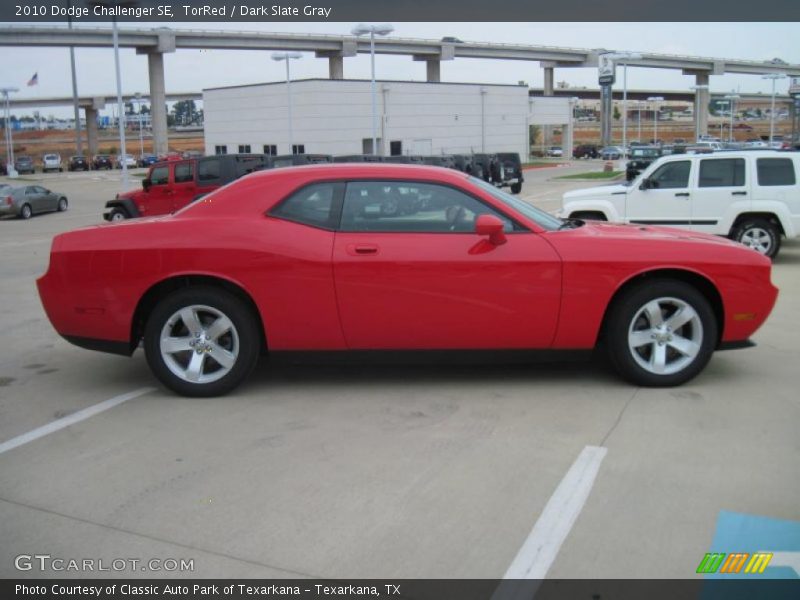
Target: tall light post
[774,77]
[75,108]
[120,107]
[639,120]
[373,30]
[141,135]
[725,103]
[624,58]
[733,98]
[288,56]
[12,172]
[654,100]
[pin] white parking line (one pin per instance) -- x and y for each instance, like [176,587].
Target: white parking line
[71,419]
[559,515]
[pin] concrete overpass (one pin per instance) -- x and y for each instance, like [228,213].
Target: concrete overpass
[156,42]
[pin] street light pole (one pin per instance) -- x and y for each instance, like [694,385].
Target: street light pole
[733,98]
[12,173]
[773,77]
[287,56]
[373,30]
[655,99]
[141,135]
[726,103]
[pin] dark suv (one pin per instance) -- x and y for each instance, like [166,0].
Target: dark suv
[102,161]
[445,161]
[357,158]
[491,170]
[289,160]
[511,171]
[585,151]
[641,158]
[24,164]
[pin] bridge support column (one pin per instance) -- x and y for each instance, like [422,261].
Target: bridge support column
[701,100]
[336,67]
[158,102]
[90,114]
[548,90]
[434,71]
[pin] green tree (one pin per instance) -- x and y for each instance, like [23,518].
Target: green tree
[185,112]
[616,114]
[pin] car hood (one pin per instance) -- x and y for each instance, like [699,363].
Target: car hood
[655,234]
[602,190]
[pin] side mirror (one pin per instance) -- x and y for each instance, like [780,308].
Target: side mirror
[646,184]
[491,226]
[146,183]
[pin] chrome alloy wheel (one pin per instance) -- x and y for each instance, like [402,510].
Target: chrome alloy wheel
[199,344]
[665,336]
[757,238]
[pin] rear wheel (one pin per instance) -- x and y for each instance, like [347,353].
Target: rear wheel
[761,235]
[201,341]
[516,188]
[661,333]
[62,204]
[26,212]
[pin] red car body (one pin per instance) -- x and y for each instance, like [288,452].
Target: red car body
[324,289]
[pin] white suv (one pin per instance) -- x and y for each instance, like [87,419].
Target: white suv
[749,196]
[51,162]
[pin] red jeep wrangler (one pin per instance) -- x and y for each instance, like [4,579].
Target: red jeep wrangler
[171,185]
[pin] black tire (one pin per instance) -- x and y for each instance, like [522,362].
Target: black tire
[245,325]
[516,188]
[26,212]
[628,316]
[118,214]
[62,204]
[761,235]
[589,216]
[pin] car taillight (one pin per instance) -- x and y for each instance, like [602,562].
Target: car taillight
[9,200]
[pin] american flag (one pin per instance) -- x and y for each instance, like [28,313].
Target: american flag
[34,80]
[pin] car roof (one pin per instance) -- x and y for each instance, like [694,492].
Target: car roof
[368,170]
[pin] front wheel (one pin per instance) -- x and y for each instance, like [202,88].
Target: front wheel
[201,341]
[661,333]
[62,204]
[118,214]
[26,212]
[760,235]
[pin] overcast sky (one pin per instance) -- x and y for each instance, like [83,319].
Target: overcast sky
[193,70]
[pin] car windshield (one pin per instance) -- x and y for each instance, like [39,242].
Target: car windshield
[540,217]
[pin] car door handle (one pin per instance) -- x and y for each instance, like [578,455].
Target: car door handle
[684,194]
[362,249]
[738,193]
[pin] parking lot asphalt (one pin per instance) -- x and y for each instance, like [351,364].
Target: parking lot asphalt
[364,470]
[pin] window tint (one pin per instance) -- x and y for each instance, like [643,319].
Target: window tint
[721,172]
[672,175]
[208,170]
[403,206]
[311,205]
[160,176]
[775,171]
[184,173]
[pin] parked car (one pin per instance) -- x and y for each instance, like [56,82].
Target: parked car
[446,160]
[102,161]
[752,197]
[127,160]
[290,160]
[490,168]
[555,151]
[642,157]
[512,171]
[28,200]
[612,153]
[404,159]
[585,151]
[78,163]
[349,158]
[146,160]
[24,164]
[52,162]
[463,163]
[298,259]
[171,185]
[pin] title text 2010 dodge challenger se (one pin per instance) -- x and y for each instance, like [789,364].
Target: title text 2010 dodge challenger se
[395,257]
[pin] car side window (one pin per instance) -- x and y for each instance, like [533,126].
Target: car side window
[311,205]
[30,190]
[721,172]
[160,176]
[411,207]
[184,173]
[208,170]
[775,171]
[672,175]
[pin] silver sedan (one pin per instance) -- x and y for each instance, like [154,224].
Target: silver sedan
[27,200]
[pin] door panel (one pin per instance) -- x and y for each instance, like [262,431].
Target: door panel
[158,198]
[721,182]
[184,187]
[669,203]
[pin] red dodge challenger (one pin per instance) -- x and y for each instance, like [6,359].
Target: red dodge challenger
[395,257]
